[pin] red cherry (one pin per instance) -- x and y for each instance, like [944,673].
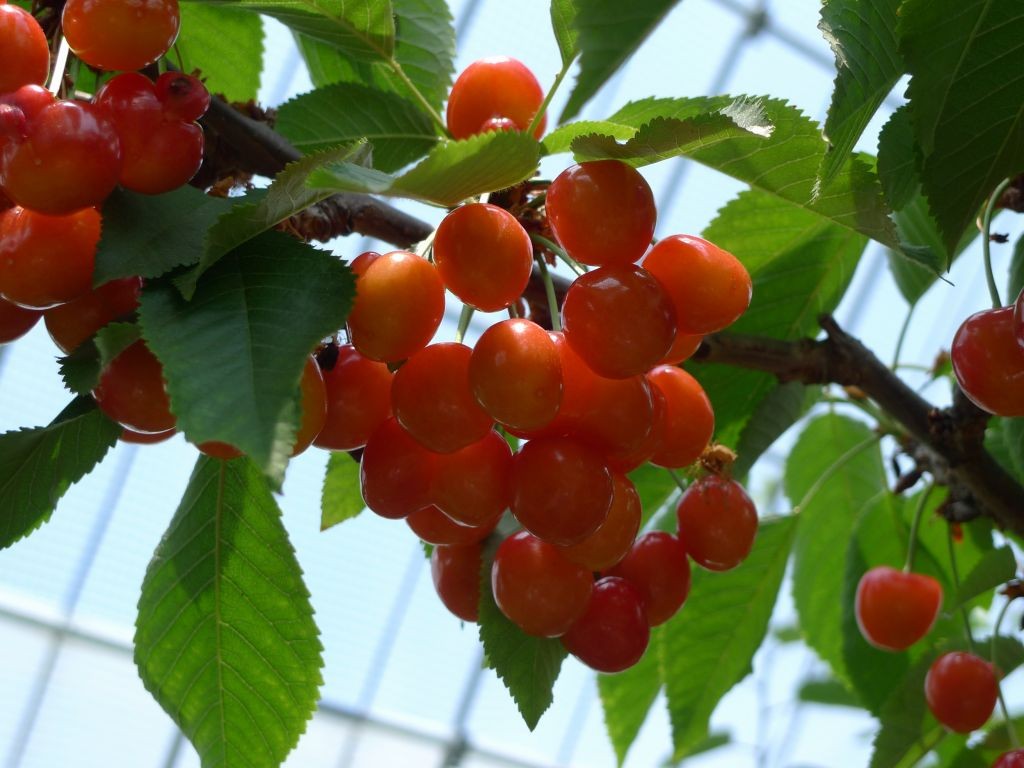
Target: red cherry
[989,362]
[120,34]
[132,391]
[218,450]
[183,97]
[15,321]
[473,485]
[657,566]
[358,400]
[717,523]
[144,438]
[613,538]
[483,255]
[24,52]
[688,420]
[683,348]
[498,124]
[616,417]
[395,472]
[435,527]
[709,287]
[896,609]
[497,86]
[537,588]
[1018,318]
[612,634]
[456,572]
[961,691]
[602,212]
[1012,759]
[72,323]
[313,406]
[627,461]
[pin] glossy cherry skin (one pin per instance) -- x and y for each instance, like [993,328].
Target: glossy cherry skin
[1018,318]
[120,34]
[628,460]
[483,255]
[515,373]
[398,307]
[1012,759]
[132,392]
[708,286]
[47,260]
[989,362]
[182,96]
[683,347]
[612,634]
[717,523]
[456,572]
[619,320]
[602,212]
[72,323]
[961,691]
[688,421]
[15,321]
[537,588]
[473,485]
[144,438]
[896,609]
[613,538]
[435,527]
[395,472]
[358,400]
[658,567]
[215,449]
[24,52]
[561,489]
[494,87]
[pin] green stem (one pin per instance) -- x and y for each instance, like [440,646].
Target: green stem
[915,526]
[549,288]
[547,98]
[986,241]
[513,311]
[418,95]
[464,318]
[556,249]
[956,586]
[839,463]
[677,479]
[1010,729]
[901,338]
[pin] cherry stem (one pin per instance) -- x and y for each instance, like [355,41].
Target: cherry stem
[677,479]
[542,110]
[549,289]
[915,526]
[986,241]
[464,318]
[902,337]
[560,252]
[839,463]
[513,311]
[956,585]
[418,95]
[1010,729]
[59,65]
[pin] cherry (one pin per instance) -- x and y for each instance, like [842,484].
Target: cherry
[617,418]
[961,691]
[144,438]
[182,96]
[989,362]
[398,307]
[657,566]
[495,87]
[473,485]
[132,392]
[15,321]
[24,52]
[215,449]
[896,609]
[562,489]
[627,461]
[1012,759]
[47,260]
[435,527]
[358,400]
[683,347]
[516,375]
[688,421]
[498,124]
[120,34]
[619,320]
[602,212]
[613,538]
[72,323]
[537,588]
[717,522]
[1018,318]
[395,472]
[613,633]
[708,286]
[456,573]
[483,255]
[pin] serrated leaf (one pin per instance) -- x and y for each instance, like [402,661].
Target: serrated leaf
[341,499]
[563,23]
[81,369]
[862,35]
[627,697]
[780,409]
[149,235]
[899,159]
[226,44]
[709,645]
[452,172]
[234,354]
[343,113]
[968,101]
[37,466]
[609,32]
[996,568]
[829,692]
[225,638]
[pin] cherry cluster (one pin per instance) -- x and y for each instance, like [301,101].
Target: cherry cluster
[988,359]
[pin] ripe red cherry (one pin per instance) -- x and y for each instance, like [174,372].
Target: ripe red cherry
[72,323]
[47,260]
[182,96]
[456,572]
[611,541]
[709,287]
[613,633]
[395,472]
[120,34]
[657,566]
[473,485]
[215,449]
[688,420]
[1018,318]
[961,691]
[683,347]
[358,400]
[1012,759]
[989,362]
[619,320]
[616,417]
[561,489]
[144,438]
[398,307]
[435,527]
[537,588]
[483,255]
[132,392]
[24,52]
[516,375]
[717,523]
[896,609]
[15,321]
[627,461]
[498,124]
[602,212]
[495,87]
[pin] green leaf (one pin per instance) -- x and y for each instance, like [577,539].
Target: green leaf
[226,44]
[996,568]
[709,645]
[830,692]
[609,31]
[779,410]
[1005,440]
[452,172]
[655,487]
[233,356]
[341,499]
[150,235]
[225,639]
[862,34]
[37,466]
[563,23]
[899,159]
[81,370]
[627,697]
[968,101]
[398,129]
[1015,280]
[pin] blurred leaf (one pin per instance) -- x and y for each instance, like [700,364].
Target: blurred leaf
[655,486]
[995,568]
[829,692]
[226,44]
[780,409]
[1015,280]
[81,369]
[225,638]
[1005,440]
[627,697]
[563,22]
[998,739]
[341,499]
